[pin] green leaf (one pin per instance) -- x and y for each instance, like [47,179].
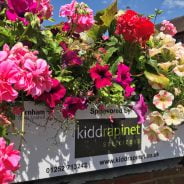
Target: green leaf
[96,31]
[157,78]
[113,68]
[65,78]
[109,13]
[152,66]
[113,41]
[112,94]
[109,53]
[3,131]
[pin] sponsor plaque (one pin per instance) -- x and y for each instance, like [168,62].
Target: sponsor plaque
[54,147]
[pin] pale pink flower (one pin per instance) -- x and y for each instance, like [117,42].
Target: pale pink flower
[4,120]
[168,28]
[163,100]
[105,37]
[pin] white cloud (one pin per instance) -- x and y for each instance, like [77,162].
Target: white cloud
[174,3]
[105,2]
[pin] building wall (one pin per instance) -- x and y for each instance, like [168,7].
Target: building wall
[158,172]
[179,37]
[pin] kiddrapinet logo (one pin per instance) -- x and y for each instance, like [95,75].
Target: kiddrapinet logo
[91,133]
[99,137]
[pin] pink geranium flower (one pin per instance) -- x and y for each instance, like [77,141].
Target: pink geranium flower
[71,105]
[21,69]
[54,96]
[68,10]
[101,76]
[44,9]
[8,74]
[141,109]
[79,15]
[168,28]
[6,176]
[41,77]
[17,9]
[9,161]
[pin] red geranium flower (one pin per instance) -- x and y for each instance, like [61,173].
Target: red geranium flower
[101,76]
[53,97]
[134,27]
[71,105]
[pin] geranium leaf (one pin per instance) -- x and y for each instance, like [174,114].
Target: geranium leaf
[109,13]
[96,31]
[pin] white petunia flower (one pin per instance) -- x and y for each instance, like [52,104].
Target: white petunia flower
[173,116]
[152,135]
[181,108]
[166,134]
[163,100]
[87,39]
[165,39]
[155,85]
[165,66]
[156,118]
[179,70]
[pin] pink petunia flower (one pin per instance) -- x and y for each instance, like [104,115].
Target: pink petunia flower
[141,109]
[71,105]
[70,57]
[54,96]
[101,76]
[129,91]
[124,79]
[123,75]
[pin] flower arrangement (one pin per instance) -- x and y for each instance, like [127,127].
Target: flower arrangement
[113,57]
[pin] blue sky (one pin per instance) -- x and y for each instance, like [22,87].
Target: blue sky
[172,8]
